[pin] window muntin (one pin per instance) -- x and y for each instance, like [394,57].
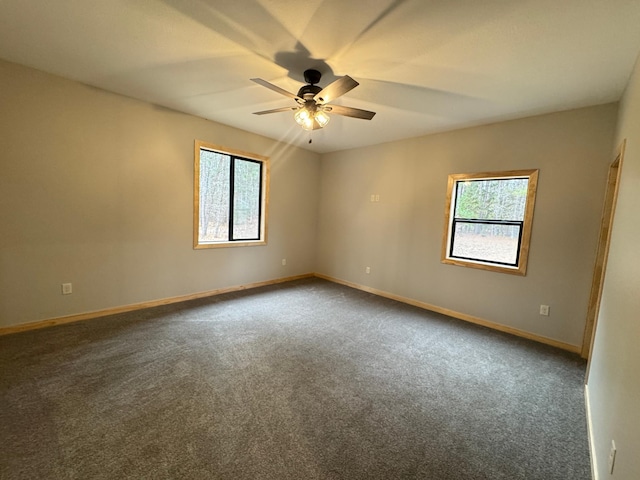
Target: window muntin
[230,191]
[488,220]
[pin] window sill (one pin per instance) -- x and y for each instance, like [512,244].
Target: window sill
[486,266]
[247,243]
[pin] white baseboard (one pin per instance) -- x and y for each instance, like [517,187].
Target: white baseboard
[592,452]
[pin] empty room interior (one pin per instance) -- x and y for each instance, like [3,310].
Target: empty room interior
[240,240]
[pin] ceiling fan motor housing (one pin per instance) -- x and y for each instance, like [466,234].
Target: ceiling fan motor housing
[309,91]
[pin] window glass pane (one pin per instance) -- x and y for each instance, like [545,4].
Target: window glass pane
[246,200]
[215,181]
[491,199]
[490,243]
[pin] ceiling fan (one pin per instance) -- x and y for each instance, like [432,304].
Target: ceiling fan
[313,102]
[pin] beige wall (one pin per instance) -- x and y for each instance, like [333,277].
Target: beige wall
[614,378]
[400,237]
[96,189]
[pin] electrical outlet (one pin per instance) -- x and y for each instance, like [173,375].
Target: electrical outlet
[284,262]
[367,270]
[612,456]
[544,310]
[373,197]
[67,289]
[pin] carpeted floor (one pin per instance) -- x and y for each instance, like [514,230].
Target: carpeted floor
[303,380]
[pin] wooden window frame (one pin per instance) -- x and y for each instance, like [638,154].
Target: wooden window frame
[525,232]
[264,195]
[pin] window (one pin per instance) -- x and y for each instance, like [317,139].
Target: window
[230,191]
[488,220]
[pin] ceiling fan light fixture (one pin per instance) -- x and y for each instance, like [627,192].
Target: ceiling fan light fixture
[308,117]
[308,125]
[322,118]
[304,118]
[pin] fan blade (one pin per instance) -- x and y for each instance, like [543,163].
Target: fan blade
[336,89]
[276,110]
[349,112]
[275,88]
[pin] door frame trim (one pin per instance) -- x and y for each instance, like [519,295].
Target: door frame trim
[602,252]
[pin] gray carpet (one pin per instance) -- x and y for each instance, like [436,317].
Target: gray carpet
[303,380]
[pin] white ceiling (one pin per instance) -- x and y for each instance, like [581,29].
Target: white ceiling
[423,65]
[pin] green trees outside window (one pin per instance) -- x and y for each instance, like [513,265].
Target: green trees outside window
[230,198]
